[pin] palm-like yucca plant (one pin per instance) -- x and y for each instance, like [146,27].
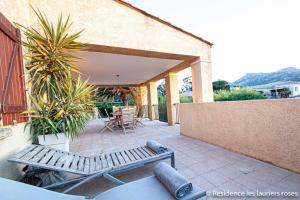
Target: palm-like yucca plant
[60,104]
[68,114]
[74,106]
[41,122]
[51,54]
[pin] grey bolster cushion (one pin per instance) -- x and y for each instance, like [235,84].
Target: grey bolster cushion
[175,183]
[156,147]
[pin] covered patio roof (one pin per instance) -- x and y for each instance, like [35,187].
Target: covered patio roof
[101,64]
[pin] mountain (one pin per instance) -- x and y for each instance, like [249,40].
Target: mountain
[286,74]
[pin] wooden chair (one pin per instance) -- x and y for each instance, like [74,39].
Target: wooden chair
[140,114]
[115,109]
[128,118]
[108,124]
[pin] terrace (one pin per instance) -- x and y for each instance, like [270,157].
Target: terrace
[220,146]
[209,166]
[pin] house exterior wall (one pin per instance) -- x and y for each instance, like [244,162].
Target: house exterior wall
[14,11]
[264,129]
[295,90]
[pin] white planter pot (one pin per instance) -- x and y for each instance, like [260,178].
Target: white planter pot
[59,141]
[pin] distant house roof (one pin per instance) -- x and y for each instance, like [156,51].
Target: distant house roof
[275,84]
[162,21]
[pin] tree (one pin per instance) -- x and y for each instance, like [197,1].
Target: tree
[118,92]
[221,85]
[161,89]
[187,84]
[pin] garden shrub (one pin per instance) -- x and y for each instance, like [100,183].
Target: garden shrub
[238,95]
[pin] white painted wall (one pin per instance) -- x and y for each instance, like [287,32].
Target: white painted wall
[295,90]
[19,140]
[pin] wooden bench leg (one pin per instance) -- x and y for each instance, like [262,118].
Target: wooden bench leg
[113,179]
[88,178]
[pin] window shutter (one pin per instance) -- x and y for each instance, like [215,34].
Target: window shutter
[12,84]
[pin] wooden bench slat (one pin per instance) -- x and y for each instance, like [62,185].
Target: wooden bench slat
[54,158]
[92,164]
[131,157]
[25,151]
[114,159]
[120,158]
[109,160]
[126,158]
[40,155]
[86,165]
[149,151]
[48,156]
[144,152]
[61,160]
[74,165]
[135,155]
[81,163]
[139,153]
[68,162]
[32,153]
[105,162]
[99,164]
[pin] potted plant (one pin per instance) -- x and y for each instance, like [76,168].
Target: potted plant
[61,105]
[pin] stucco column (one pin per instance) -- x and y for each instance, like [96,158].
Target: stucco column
[152,99]
[172,97]
[202,81]
[142,99]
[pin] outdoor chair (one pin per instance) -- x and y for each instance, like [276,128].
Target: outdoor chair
[91,167]
[139,116]
[108,124]
[149,188]
[115,109]
[128,118]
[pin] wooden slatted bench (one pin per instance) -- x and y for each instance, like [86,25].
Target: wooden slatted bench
[89,167]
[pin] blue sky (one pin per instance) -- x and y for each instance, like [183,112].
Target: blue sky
[249,35]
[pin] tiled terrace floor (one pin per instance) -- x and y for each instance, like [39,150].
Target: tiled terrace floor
[211,167]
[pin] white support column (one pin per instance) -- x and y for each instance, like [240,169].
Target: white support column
[202,81]
[172,97]
[152,99]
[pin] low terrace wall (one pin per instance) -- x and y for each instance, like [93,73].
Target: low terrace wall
[268,130]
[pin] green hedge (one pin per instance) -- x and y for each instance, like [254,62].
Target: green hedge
[238,95]
[108,106]
[162,109]
[186,99]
